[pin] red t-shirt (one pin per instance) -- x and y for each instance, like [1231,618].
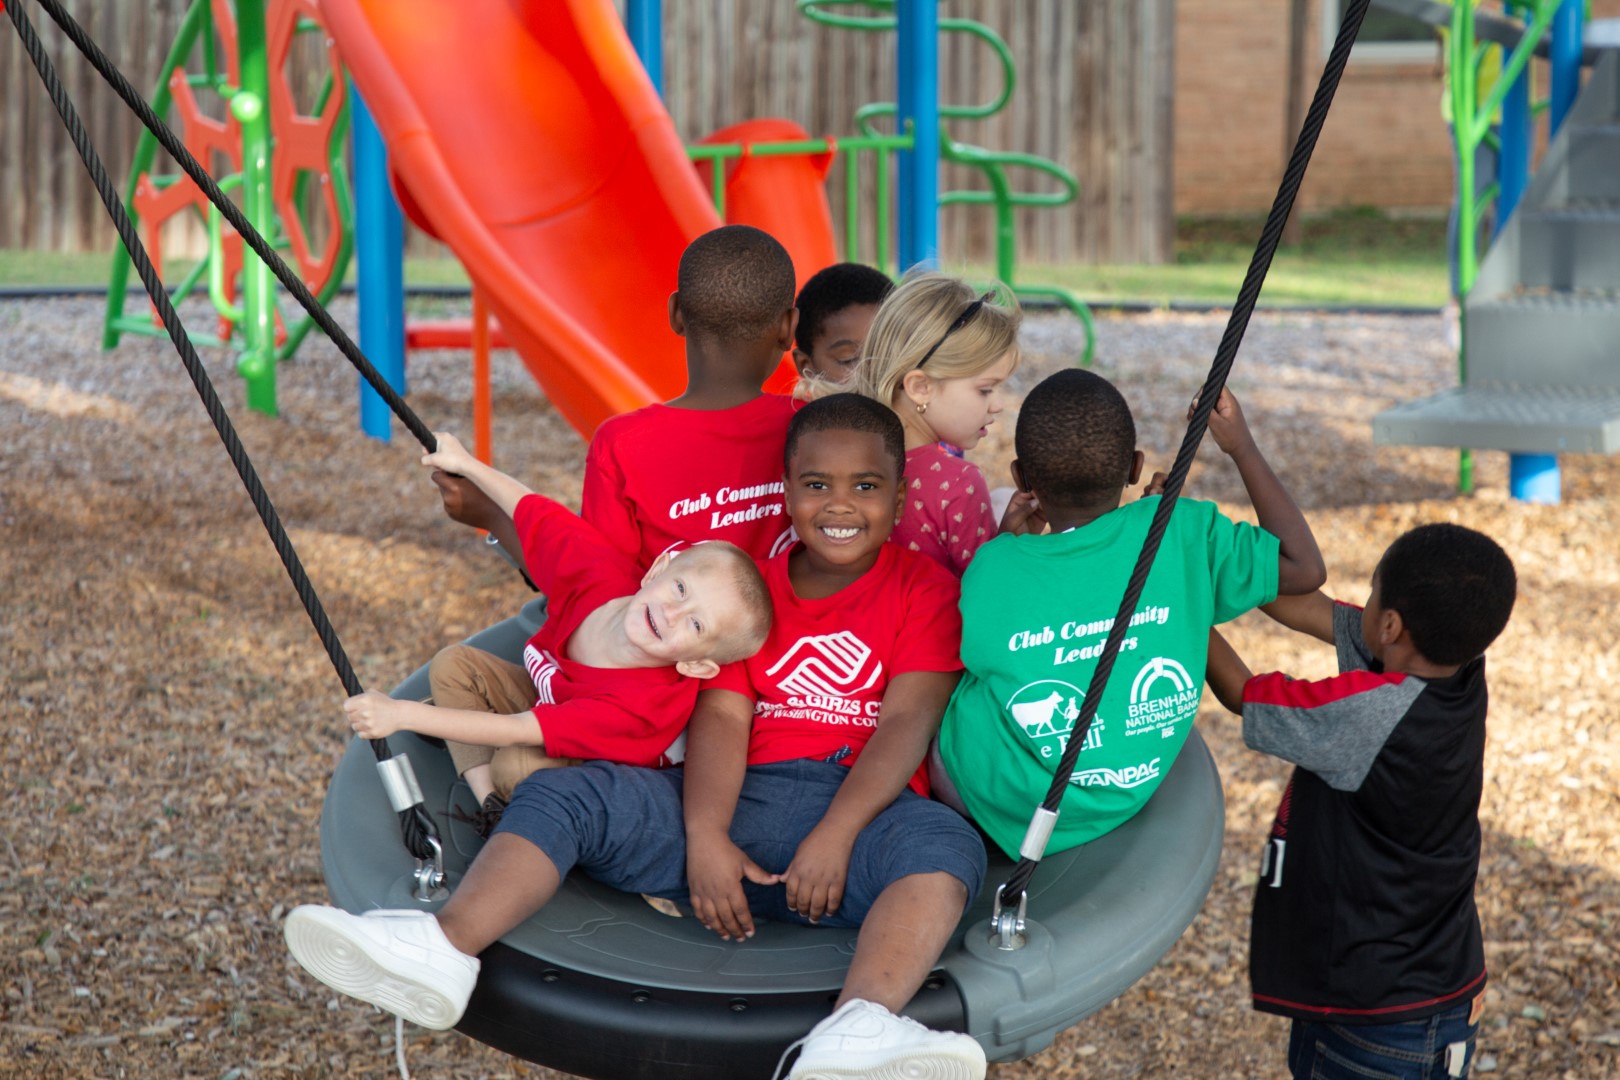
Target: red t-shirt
[662,476]
[818,684]
[947,515]
[627,715]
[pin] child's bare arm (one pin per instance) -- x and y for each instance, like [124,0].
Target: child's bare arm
[909,717]
[1310,614]
[1226,673]
[716,760]
[375,715]
[452,457]
[465,502]
[1300,567]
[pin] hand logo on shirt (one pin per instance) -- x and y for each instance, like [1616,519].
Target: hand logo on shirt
[828,665]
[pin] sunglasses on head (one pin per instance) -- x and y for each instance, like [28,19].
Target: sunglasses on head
[961,321]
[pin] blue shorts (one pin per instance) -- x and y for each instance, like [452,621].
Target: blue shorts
[624,827]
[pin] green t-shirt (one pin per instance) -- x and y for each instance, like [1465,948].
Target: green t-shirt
[1035,613]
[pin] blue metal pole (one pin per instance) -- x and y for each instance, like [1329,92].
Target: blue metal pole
[644,21]
[1513,165]
[1566,59]
[379,245]
[1536,478]
[918,98]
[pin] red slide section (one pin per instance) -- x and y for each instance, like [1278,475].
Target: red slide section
[526,135]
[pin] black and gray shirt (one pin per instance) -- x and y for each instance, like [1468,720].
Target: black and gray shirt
[1364,912]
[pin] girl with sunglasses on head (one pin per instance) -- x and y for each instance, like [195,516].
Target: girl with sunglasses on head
[938,354]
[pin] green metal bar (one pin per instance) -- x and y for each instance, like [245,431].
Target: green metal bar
[145,150]
[216,258]
[250,105]
[881,216]
[210,55]
[144,328]
[708,151]
[1464,58]
[1076,306]
[1515,63]
[852,204]
[190,280]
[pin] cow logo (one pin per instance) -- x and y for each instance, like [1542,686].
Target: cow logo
[542,667]
[1046,711]
[827,665]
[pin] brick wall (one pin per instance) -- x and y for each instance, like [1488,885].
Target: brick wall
[1384,144]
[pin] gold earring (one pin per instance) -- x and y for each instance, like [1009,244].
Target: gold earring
[922,408]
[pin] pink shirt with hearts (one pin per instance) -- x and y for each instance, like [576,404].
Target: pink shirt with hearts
[947,513]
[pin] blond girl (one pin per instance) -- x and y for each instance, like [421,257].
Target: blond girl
[938,354]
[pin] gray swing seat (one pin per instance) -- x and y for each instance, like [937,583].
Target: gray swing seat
[601,985]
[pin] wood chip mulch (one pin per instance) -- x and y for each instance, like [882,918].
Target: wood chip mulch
[170,720]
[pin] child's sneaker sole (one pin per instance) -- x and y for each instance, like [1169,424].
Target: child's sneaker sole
[323,941]
[932,1065]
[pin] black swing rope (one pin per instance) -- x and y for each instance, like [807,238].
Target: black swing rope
[1012,891]
[417,826]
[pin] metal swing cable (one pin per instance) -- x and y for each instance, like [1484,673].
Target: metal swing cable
[232,213]
[1012,890]
[418,828]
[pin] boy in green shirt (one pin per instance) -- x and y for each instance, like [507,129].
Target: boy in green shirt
[1037,608]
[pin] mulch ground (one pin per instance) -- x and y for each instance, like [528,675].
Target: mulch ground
[170,720]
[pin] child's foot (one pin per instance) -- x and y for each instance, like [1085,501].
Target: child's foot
[864,1039]
[396,960]
[486,817]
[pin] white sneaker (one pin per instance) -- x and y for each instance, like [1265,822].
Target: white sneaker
[396,960]
[865,1039]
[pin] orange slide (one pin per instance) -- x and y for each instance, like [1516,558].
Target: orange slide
[526,135]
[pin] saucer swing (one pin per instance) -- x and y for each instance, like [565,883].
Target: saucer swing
[601,985]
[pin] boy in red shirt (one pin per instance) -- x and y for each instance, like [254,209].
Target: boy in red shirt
[836,309]
[799,805]
[705,465]
[613,673]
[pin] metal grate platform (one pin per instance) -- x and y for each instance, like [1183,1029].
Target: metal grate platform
[1508,416]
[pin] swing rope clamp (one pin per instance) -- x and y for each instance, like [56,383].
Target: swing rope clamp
[1007,928]
[1038,835]
[429,875]
[399,781]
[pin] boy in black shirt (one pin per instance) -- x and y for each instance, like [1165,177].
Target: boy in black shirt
[1365,931]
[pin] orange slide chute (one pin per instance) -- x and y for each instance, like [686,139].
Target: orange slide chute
[526,135]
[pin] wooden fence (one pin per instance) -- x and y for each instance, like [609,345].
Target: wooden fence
[1094,94]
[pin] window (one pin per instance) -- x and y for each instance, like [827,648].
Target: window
[1385,37]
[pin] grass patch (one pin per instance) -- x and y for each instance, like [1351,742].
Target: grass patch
[1349,257]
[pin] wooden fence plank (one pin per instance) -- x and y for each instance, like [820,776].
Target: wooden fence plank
[1095,80]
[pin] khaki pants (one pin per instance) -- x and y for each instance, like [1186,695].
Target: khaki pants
[464,677]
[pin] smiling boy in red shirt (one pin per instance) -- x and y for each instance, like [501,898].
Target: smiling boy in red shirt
[612,673]
[798,804]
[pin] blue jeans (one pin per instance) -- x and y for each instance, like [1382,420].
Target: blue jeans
[1415,1050]
[624,827]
